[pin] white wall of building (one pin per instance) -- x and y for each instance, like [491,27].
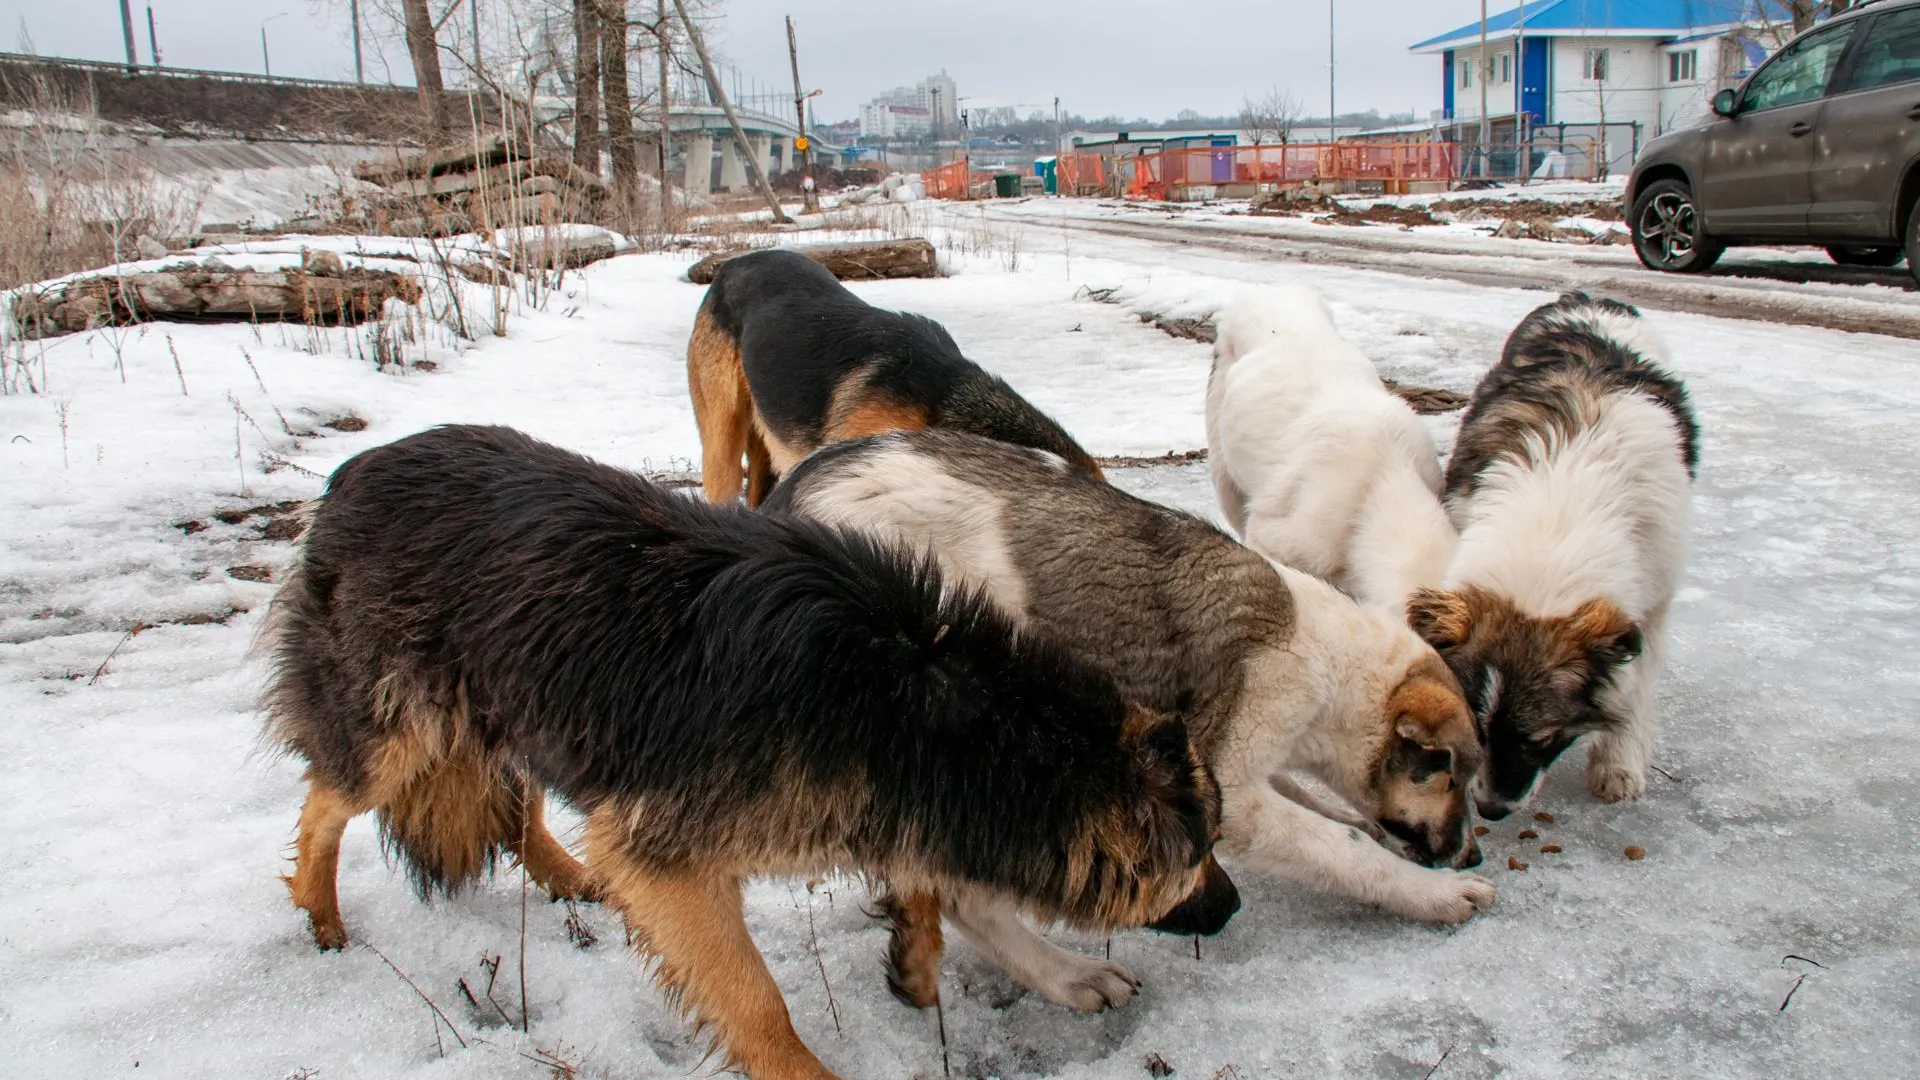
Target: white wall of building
[1502,99]
[1687,102]
[1631,93]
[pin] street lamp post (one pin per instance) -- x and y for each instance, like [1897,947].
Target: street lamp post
[266,61]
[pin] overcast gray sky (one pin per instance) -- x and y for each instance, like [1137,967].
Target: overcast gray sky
[1128,57]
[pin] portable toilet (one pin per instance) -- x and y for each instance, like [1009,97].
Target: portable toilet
[1048,170]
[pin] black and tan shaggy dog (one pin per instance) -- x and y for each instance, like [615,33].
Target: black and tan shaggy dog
[784,359]
[477,618]
[1571,484]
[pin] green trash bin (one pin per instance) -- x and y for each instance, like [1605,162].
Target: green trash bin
[1006,185]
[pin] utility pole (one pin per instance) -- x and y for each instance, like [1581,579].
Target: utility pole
[1333,123]
[153,37]
[1059,137]
[353,12]
[664,31]
[126,27]
[473,8]
[1480,62]
[740,143]
[809,198]
[1520,115]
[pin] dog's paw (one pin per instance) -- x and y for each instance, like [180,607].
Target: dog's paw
[1613,783]
[1445,896]
[1088,985]
[328,934]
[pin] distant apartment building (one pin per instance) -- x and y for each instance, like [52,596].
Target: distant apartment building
[880,121]
[930,107]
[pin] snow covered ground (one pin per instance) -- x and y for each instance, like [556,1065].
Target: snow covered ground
[142,923]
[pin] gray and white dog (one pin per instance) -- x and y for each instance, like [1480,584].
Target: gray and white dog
[1273,670]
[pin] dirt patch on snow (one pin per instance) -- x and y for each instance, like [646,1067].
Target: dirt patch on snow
[1384,214]
[1527,209]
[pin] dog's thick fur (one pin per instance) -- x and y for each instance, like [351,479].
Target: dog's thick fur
[1272,670]
[1571,484]
[476,618]
[1317,465]
[784,359]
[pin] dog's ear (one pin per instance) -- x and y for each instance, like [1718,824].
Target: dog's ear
[1433,727]
[1604,633]
[1158,742]
[1419,761]
[1443,619]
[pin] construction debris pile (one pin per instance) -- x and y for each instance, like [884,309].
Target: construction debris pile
[491,183]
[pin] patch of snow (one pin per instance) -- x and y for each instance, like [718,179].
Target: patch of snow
[141,919]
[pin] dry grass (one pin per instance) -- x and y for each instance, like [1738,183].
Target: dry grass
[71,200]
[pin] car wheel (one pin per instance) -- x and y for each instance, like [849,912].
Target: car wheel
[1913,243]
[1861,255]
[1667,232]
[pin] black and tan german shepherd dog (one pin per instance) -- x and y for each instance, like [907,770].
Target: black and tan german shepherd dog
[784,359]
[476,618]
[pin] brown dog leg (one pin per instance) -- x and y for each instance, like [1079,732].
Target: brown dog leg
[722,407]
[692,922]
[546,859]
[913,951]
[316,862]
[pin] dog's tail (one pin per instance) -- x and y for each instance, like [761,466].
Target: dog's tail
[377,737]
[451,817]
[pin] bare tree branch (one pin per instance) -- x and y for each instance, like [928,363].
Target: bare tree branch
[1270,117]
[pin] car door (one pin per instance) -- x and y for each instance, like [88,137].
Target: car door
[1754,179]
[1868,133]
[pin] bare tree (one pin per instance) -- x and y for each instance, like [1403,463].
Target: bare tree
[623,143]
[1271,117]
[1773,23]
[1807,12]
[586,85]
[425,51]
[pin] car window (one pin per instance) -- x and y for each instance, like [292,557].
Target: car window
[1891,53]
[1800,72]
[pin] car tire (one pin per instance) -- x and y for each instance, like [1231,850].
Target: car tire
[1862,255]
[1667,230]
[1913,243]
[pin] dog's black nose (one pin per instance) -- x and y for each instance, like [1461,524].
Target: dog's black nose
[1494,811]
[1207,909]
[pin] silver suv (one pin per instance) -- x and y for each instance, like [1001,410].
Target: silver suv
[1821,145]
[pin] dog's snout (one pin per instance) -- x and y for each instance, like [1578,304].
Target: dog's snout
[1493,809]
[1469,856]
[1207,909]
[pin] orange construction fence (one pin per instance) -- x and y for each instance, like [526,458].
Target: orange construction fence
[957,180]
[947,181]
[1158,176]
[1084,174]
[1166,173]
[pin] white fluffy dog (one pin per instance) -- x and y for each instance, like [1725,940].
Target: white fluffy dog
[1317,464]
[1571,481]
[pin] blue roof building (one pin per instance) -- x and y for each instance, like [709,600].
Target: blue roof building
[1638,67]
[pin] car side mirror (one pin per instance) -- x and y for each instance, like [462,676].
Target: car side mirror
[1724,102]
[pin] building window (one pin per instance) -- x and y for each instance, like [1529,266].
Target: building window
[1466,73]
[1681,65]
[1593,67]
[1506,67]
